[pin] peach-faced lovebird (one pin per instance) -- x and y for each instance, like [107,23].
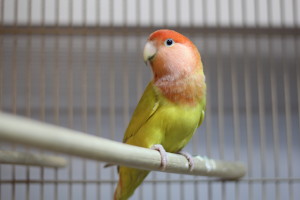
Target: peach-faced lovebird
[172,106]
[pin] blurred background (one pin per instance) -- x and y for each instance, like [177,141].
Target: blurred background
[78,64]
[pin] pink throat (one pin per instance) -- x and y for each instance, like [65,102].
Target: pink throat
[185,89]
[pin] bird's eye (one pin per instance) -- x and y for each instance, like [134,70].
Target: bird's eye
[169,42]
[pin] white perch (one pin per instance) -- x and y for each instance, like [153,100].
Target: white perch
[29,132]
[24,158]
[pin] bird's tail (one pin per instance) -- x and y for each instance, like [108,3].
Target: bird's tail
[129,180]
[118,193]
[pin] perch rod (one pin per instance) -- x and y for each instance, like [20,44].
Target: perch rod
[29,132]
[24,158]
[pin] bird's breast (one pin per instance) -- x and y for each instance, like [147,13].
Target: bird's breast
[188,90]
[179,123]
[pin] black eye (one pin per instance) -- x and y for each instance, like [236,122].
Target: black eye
[169,42]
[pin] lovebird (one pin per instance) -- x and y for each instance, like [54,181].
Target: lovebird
[172,106]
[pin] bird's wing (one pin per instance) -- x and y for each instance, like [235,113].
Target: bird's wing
[146,107]
[203,107]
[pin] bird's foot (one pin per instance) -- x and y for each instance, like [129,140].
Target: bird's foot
[163,154]
[189,159]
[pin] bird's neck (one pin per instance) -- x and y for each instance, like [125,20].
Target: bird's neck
[182,88]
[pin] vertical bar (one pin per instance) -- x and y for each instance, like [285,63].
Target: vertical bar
[248,106]
[84,89]
[196,140]
[98,109]
[84,107]
[208,120]
[138,47]
[2,2]
[28,64]
[274,119]
[42,87]
[1,62]
[249,123]
[125,70]
[70,104]
[262,116]
[14,88]
[298,76]
[14,65]
[151,17]
[297,55]
[298,79]
[28,88]
[287,104]
[235,99]
[192,13]
[1,70]
[56,88]
[165,13]
[16,14]
[288,124]
[112,99]
[111,12]
[236,121]
[70,8]
[139,80]
[29,12]
[28,101]
[220,90]
[168,176]
[98,93]
[57,7]
[178,13]
[112,88]
[274,103]
[204,13]
[182,193]
[70,91]
[261,100]
[1,50]
[295,13]
[208,97]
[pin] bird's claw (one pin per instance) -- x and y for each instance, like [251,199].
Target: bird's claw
[189,159]
[163,154]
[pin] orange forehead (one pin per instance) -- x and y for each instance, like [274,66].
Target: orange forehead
[163,34]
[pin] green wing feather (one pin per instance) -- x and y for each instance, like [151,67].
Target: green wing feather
[203,109]
[146,107]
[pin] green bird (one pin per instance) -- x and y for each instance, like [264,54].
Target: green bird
[172,106]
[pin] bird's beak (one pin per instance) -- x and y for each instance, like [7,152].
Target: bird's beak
[149,51]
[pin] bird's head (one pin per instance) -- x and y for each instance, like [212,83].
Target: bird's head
[171,54]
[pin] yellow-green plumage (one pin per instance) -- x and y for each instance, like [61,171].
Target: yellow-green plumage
[156,120]
[168,113]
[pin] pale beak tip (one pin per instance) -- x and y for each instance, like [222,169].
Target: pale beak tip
[149,52]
